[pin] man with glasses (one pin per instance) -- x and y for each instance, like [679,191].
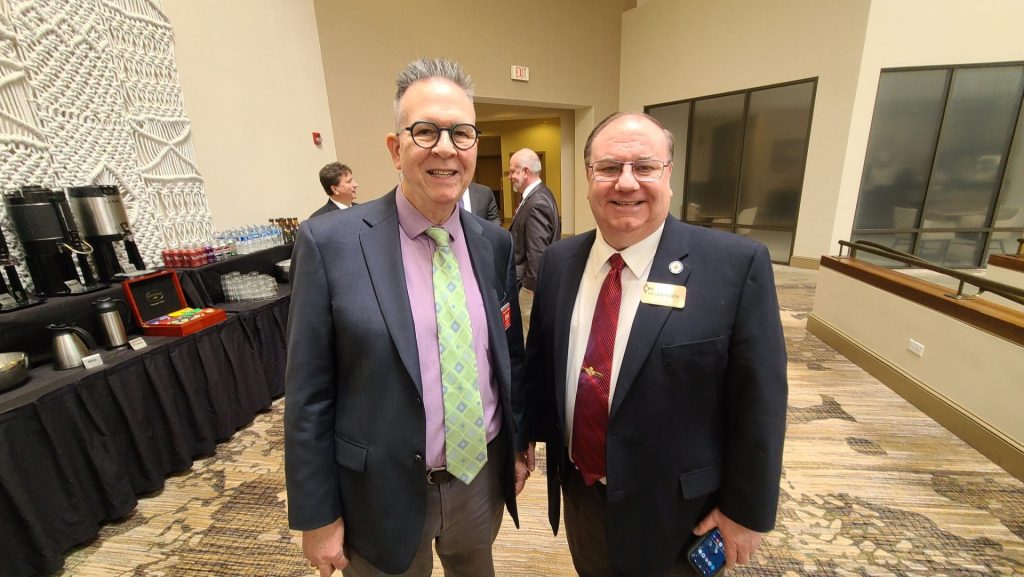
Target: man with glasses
[404,344]
[535,224]
[656,372]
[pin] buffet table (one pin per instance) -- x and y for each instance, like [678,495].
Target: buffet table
[78,446]
[201,285]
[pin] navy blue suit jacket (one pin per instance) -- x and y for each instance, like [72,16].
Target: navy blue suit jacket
[699,410]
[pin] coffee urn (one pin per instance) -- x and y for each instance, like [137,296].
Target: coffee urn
[104,222]
[46,228]
[13,295]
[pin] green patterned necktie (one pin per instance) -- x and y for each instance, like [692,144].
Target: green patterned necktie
[465,445]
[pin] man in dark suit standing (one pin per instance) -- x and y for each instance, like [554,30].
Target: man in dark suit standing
[656,372]
[535,224]
[479,200]
[404,343]
[340,186]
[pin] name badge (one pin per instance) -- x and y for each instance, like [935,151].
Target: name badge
[664,295]
[506,315]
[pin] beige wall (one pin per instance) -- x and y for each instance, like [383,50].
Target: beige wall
[571,47]
[538,135]
[254,90]
[675,50]
[857,310]
[921,33]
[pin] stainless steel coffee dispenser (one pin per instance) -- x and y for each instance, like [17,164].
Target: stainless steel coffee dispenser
[13,295]
[46,228]
[104,222]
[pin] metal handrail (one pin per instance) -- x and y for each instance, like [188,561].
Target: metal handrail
[1006,291]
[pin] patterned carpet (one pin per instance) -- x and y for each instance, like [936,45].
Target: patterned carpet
[871,487]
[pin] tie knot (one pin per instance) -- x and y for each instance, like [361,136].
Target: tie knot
[440,236]
[616,262]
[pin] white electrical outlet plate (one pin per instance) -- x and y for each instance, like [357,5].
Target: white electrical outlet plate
[915,347]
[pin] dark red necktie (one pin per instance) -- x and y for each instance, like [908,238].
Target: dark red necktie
[590,417]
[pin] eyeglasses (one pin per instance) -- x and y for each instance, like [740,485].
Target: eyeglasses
[427,134]
[643,170]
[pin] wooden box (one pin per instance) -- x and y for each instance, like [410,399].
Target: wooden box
[160,309]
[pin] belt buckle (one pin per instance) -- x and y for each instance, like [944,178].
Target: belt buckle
[443,476]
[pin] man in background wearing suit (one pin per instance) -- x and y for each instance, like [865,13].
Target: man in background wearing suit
[340,186]
[479,200]
[656,372]
[535,224]
[404,344]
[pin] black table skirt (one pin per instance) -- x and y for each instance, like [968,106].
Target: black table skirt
[77,455]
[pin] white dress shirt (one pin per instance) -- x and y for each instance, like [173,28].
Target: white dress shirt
[638,260]
[527,191]
[338,204]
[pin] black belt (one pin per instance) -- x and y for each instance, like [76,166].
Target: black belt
[439,476]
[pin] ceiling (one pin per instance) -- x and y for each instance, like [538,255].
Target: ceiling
[487,112]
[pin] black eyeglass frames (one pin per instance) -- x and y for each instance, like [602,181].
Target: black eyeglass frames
[426,134]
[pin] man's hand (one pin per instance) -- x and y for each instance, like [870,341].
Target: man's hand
[324,548]
[525,464]
[740,542]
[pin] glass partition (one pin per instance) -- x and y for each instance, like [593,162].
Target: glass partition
[942,179]
[740,161]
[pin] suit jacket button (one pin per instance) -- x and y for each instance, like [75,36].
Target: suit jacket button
[419,400]
[417,457]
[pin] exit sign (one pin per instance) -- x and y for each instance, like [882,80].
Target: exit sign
[521,73]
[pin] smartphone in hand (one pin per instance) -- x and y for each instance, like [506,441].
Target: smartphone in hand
[707,555]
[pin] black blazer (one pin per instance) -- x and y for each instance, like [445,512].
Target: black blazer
[699,411]
[534,227]
[482,204]
[354,422]
[329,207]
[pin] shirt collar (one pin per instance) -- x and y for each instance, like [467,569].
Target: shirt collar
[340,205]
[413,223]
[638,257]
[530,188]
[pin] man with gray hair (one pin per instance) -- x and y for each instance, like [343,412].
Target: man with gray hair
[404,344]
[535,224]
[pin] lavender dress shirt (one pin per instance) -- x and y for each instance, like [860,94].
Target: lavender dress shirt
[417,254]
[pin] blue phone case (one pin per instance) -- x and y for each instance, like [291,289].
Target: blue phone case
[707,555]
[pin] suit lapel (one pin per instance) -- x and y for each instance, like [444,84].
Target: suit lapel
[650,318]
[524,207]
[382,251]
[570,286]
[482,255]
